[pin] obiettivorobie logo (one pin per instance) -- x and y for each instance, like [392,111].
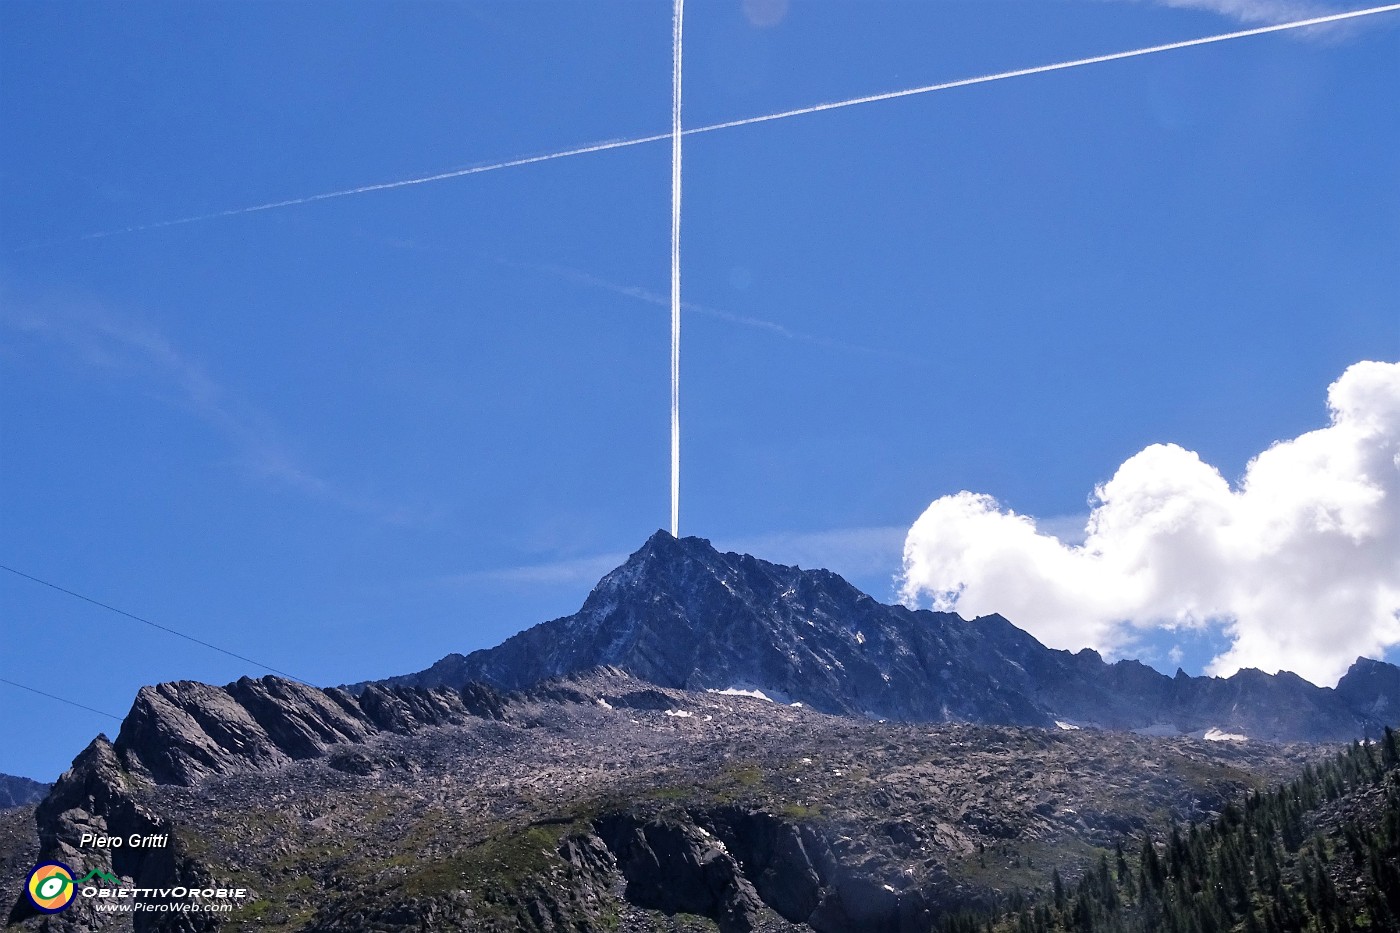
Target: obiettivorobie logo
[51,887]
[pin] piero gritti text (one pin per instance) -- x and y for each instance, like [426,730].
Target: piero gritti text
[133,841]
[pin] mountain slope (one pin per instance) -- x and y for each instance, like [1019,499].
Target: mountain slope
[1319,853]
[19,791]
[610,785]
[681,614]
[600,803]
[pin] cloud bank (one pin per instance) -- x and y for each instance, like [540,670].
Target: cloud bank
[1299,564]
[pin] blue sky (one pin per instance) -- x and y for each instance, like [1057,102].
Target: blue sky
[348,437]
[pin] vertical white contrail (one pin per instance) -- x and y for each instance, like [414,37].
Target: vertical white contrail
[676,269]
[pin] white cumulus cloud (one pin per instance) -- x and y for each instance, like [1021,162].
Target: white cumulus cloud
[1299,564]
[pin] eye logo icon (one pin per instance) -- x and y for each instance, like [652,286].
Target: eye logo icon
[50,887]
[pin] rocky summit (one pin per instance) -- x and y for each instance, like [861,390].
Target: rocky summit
[681,614]
[716,743]
[19,791]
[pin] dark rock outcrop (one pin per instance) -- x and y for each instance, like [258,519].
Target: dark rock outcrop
[677,867]
[733,865]
[680,614]
[94,796]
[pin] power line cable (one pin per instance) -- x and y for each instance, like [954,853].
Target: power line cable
[155,625]
[54,696]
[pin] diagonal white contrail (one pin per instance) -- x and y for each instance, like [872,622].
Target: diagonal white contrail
[676,135]
[386,185]
[766,118]
[1043,69]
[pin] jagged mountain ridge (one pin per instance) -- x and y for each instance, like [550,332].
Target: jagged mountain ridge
[185,733]
[681,614]
[600,802]
[20,791]
[180,732]
[683,617]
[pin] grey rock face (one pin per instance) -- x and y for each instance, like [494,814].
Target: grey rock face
[179,733]
[680,614]
[1372,689]
[93,796]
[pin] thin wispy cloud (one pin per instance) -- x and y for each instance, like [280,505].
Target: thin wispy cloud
[1255,11]
[1272,13]
[646,295]
[656,299]
[124,347]
[573,571]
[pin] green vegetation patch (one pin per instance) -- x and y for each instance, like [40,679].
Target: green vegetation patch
[505,861]
[1318,854]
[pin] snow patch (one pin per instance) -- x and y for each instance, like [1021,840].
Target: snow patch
[1216,735]
[739,691]
[860,637]
[604,703]
[1067,726]
[680,713]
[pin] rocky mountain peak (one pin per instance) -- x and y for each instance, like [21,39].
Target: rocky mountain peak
[680,613]
[1372,687]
